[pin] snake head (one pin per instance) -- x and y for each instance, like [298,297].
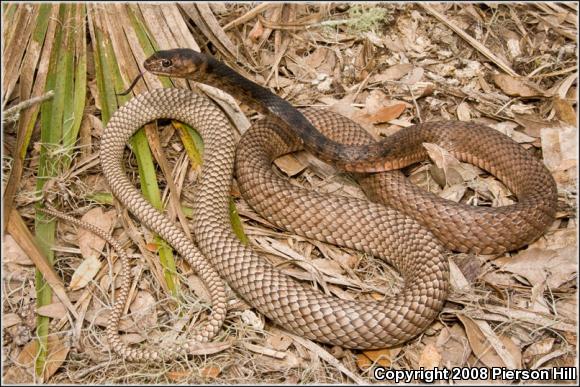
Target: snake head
[179,62]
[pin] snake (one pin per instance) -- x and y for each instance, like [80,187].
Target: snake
[460,227]
[417,246]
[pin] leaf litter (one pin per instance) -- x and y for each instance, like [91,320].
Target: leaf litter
[510,66]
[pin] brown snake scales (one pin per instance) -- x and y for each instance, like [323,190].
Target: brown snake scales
[398,235]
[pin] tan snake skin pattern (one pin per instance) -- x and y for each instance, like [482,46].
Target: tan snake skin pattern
[296,306]
[369,227]
[382,231]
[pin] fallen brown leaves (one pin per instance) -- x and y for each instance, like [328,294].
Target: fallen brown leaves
[510,66]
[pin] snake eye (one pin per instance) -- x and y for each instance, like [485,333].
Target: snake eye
[165,63]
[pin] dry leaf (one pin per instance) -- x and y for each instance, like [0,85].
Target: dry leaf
[537,302]
[487,346]
[265,351]
[560,151]
[250,318]
[56,310]
[568,307]
[414,76]
[279,342]
[12,253]
[430,357]
[91,244]
[562,87]
[565,111]
[18,375]
[95,123]
[555,267]
[197,286]
[381,357]
[210,372]
[558,239]
[453,346]
[291,360]
[56,355]
[463,112]
[541,347]
[256,33]
[344,107]
[508,128]
[500,194]
[327,266]
[393,73]
[85,272]
[457,279]
[363,362]
[384,114]
[144,310]
[469,265]
[446,162]
[517,87]
[177,376]
[209,348]
[321,56]
[290,165]
[423,178]
[346,260]
[379,108]
[454,192]
[514,350]
[10,319]
[532,124]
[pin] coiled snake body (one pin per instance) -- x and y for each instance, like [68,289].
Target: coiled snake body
[370,227]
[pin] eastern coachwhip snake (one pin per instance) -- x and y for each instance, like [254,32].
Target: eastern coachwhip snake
[370,227]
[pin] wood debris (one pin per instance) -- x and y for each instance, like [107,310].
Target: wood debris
[386,66]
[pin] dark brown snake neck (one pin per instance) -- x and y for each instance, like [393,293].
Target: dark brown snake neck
[186,63]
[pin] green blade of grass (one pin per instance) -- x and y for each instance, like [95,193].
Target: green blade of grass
[146,42]
[101,198]
[76,87]
[104,79]
[8,9]
[236,222]
[39,36]
[58,118]
[51,134]
[191,142]
[39,48]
